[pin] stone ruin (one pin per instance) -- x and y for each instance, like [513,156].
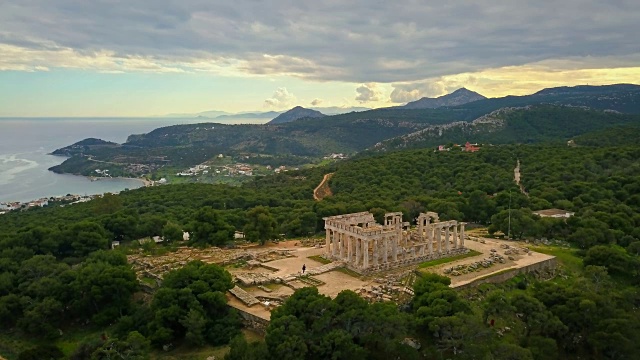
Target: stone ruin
[366,246]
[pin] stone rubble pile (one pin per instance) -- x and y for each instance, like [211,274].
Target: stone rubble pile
[493,258]
[245,297]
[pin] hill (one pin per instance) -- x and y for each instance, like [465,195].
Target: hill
[256,115]
[83,146]
[623,98]
[627,135]
[458,97]
[529,124]
[336,110]
[294,114]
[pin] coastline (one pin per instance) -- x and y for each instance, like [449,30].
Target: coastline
[145,182]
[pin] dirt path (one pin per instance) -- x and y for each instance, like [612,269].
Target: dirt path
[516,177]
[323,190]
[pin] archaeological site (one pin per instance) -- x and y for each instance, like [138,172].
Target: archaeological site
[377,261]
[366,246]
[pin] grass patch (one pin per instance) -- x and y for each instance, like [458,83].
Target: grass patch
[566,257]
[191,352]
[13,343]
[202,352]
[349,272]
[149,281]
[319,259]
[445,260]
[272,286]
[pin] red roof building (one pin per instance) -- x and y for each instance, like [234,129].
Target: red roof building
[471,148]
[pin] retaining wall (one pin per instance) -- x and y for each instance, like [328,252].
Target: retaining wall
[400,263]
[252,322]
[504,276]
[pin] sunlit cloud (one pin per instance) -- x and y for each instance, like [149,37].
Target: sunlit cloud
[515,80]
[281,99]
[369,92]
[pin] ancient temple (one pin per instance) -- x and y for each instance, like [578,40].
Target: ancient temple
[366,246]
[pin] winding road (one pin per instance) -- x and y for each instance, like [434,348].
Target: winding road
[323,190]
[516,177]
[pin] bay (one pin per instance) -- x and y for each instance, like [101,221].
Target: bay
[26,142]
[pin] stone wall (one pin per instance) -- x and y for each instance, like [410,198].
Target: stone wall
[406,262]
[544,265]
[253,322]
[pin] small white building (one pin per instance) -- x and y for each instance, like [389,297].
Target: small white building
[554,213]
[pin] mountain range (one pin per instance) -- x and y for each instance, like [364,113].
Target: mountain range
[224,115]
[549,115]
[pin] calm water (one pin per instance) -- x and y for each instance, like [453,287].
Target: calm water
[25,143]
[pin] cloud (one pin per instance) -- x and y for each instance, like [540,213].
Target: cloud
[281,99]
[368,92]
[516,80]
[316,102]
[325,40]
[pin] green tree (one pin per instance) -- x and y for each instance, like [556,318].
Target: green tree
[171,232]
[42,352]
[260,226]
[241,350]
[134,347]
[209,228]
[103,287]
[522,223]
[191,305]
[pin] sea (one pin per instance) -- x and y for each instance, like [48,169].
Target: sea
[25,145]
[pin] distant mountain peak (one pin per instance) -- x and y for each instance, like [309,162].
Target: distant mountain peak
[294,114]
[458,97]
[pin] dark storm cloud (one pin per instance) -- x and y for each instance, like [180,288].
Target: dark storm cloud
[356,41]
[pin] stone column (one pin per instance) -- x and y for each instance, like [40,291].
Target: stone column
[446,237]
[439,239]
[394,247]
[357,262]
[365,253]
[349,248]
[430,240]
[455,236]
[327,244]
[334,243]
[427,227]
[376,252]
[462,234]
[341,238]
[385,250]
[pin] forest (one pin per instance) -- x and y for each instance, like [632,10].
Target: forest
[57,274]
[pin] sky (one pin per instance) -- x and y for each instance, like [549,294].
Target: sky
[62,58]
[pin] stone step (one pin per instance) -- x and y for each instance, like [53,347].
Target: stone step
[244,296]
